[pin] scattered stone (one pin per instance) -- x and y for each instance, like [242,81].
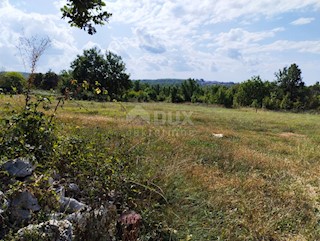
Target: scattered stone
[4,203]
[60,190]
[50,181]
[73,188]
[51,230]
[80,218]
[23,205]
[20,167]
[70,205]
[95,223]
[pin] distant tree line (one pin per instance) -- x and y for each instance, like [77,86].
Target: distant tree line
[287,92]
[97,76]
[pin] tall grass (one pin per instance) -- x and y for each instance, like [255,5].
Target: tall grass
[259,182]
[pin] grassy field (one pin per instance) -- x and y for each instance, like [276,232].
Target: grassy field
[260,181]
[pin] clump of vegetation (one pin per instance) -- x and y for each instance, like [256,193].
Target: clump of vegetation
[29,132]
[12,83]
[96,76]
[107,178]
[103,164]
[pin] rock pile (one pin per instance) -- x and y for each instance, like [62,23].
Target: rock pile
[19,207]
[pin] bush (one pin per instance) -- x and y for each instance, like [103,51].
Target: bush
[140,96]
[28,133]
[12,82]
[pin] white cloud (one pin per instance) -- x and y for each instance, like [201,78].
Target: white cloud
[149,42]
[312,47]
[161,38]
[303,21]
[17,23]
[59,4]
[90,45]
[238,36]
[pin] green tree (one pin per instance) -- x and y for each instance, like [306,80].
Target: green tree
[89,66]
[37,81]
[251,90]
[210,93]
[85,14]
[105,71]
[12,82]
[255,105]
[50,80]
[224,96]
[312,96]
[175,96]
[117,81]
[189,88]
[136,85]
[286,103]
[290,82]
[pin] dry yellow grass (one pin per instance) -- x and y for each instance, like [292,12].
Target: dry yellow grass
[259,182]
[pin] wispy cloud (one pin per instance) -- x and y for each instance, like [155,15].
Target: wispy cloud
[302,21]
[149,42]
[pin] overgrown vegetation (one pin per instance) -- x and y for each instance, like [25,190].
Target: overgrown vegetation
[223,175]
[257,182]
[102,163]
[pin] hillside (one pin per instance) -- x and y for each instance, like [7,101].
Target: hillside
[179,81]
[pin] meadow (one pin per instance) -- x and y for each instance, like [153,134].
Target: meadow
[259,181]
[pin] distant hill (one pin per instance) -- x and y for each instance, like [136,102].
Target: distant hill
[26,75]
[179,81]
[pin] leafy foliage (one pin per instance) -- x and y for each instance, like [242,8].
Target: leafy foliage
[85,14]
[29,133]
[190,88]
[46,81]
[249,91]
[12,82]
[290,82]
[97,73]
[287,92]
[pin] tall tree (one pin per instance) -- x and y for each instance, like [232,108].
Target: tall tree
[50,80]
[89,66]
[108,71]
[189,87]
[290,81]
[117,80]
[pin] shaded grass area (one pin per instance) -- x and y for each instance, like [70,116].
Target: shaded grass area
[259,182]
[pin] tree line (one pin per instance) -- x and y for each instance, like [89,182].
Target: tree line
[287,92]
[102,76]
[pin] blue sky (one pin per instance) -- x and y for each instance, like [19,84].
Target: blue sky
[224,40]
